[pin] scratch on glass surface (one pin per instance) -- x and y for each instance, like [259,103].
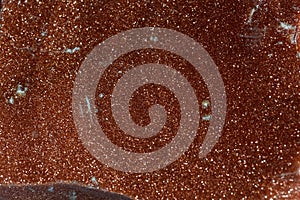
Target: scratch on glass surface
[253,10]
[72,50]
[81,110]
[88,103]
[293,31]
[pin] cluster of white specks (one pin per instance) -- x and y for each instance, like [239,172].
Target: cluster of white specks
[154,38]
[292,31]
[21,91]
[287,26]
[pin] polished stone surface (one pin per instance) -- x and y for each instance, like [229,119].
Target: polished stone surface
[255,44]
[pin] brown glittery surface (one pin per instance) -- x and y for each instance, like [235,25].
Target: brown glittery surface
[255,45]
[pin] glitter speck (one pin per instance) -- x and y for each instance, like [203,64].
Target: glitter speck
[101,95]
[51,189]
[205,104]
[206,117]
[21,91]
[11,100]
[94,180]
[153,38]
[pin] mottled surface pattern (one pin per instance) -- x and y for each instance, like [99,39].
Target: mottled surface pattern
[57,191]
[255,44]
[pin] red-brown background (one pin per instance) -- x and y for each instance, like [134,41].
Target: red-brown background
[260,139]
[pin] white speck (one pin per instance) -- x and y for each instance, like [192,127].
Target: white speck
[206,117]
[73,196]
[21,91]
[44,33]
[72,50]
[51,189]
[11,100]
[94,180]
[270,55]
[101,95]
[153,38]
[205,104]
[298,55]
[120,72]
